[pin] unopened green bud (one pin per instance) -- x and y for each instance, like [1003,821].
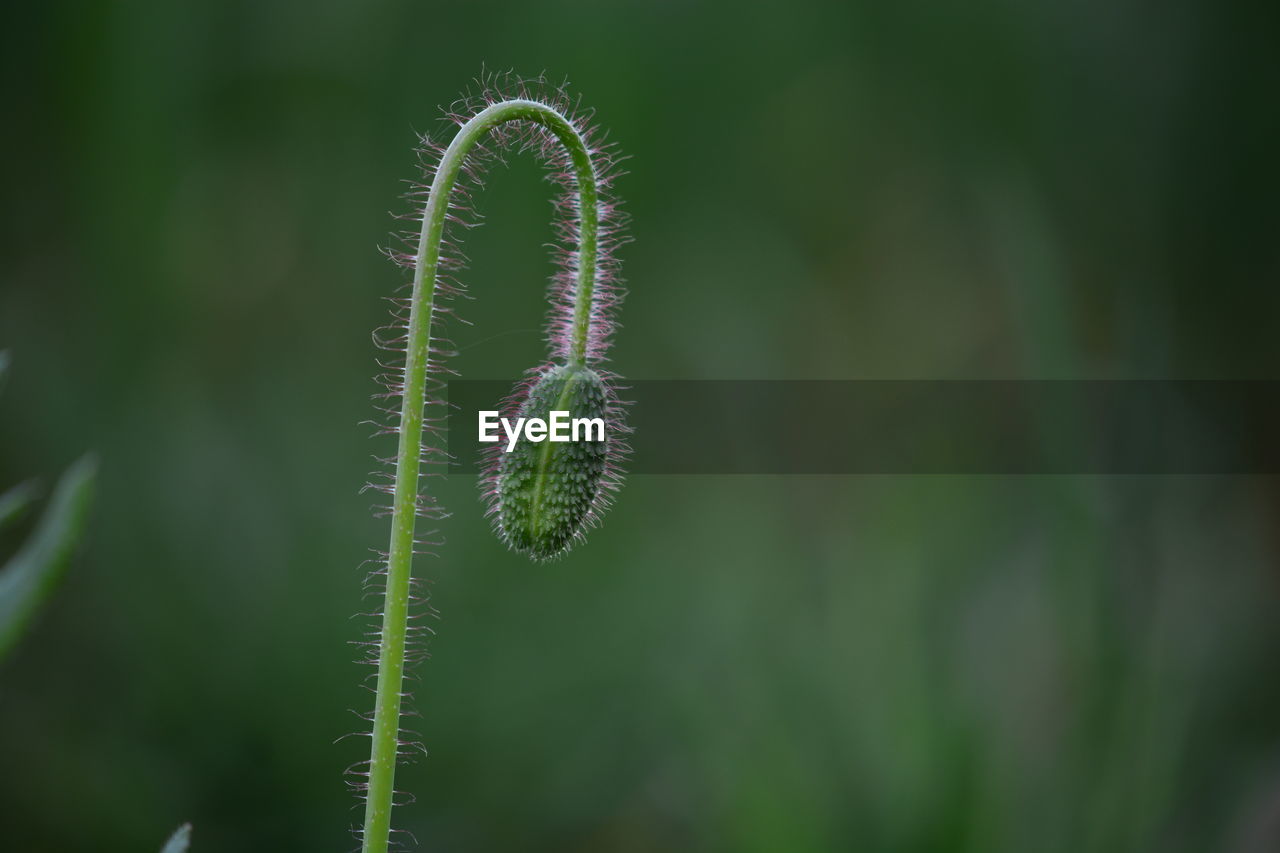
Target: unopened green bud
[546,489]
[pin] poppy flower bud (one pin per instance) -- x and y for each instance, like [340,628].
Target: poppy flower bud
[546,490]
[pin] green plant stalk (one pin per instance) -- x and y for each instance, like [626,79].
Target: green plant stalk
[391,652]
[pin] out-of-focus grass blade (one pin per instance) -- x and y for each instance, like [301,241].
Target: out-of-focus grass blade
[32,574]
[14,501]
[4,366]
[179,841]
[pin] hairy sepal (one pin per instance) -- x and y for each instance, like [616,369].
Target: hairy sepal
[548,492]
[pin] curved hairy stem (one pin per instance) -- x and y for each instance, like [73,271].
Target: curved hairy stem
[391,653]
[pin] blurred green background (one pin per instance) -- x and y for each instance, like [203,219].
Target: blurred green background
[195,194]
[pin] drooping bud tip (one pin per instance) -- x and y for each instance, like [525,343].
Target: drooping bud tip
[547,491]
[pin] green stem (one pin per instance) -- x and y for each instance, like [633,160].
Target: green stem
[386,712]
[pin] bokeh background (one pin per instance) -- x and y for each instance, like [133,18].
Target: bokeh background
[194,197]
